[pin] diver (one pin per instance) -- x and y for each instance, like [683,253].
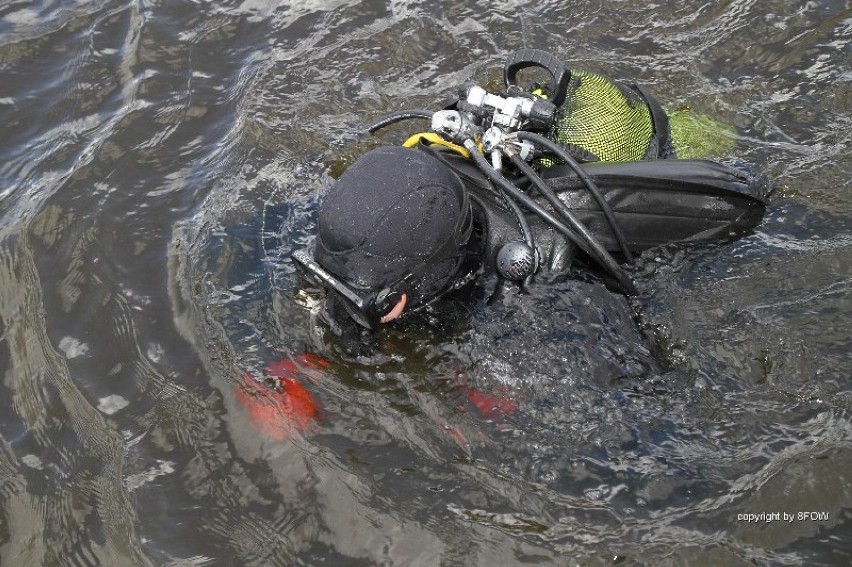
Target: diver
[584,172]
[563,180]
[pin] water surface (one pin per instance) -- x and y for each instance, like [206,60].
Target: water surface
[160,160]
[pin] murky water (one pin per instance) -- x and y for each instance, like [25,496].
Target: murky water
[160,160]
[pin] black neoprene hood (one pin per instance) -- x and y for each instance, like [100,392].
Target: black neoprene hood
[390,212]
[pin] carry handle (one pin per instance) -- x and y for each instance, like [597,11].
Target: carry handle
[524,58]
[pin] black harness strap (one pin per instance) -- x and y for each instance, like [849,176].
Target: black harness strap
[660,146]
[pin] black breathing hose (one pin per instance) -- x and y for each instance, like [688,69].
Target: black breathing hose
[528,202]
[560,153]
[522,221]
[595,250]
[399,117]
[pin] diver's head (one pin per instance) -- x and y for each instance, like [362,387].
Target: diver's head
[394,234]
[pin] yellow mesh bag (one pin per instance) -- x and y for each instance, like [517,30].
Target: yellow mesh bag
[604,118]
[700,136]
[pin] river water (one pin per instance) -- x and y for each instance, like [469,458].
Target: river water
[159,160]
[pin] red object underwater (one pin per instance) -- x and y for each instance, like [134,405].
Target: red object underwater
[280,405]
[491,406]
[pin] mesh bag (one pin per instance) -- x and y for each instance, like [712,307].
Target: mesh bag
[602,118]
[698,135]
